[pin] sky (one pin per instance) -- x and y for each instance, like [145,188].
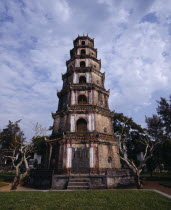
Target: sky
[133,38]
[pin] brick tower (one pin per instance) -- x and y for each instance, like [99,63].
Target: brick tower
[82,141]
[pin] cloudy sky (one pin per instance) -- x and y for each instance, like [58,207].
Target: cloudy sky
[133,38]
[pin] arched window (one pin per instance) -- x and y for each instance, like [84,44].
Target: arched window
[82,99]
[82,79]
[81,125]
[83,42]
[83,52]
[82,64]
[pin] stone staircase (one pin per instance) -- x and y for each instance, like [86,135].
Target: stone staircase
[78,183]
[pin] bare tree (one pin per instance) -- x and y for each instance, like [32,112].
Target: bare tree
[19,156]
[148,146]
[39,130]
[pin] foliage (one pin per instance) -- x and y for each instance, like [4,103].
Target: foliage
[132,133]
[38,139]
[11,135]
[164,112]
[7,177]
[132,139]
[159,129]
[39,144]
[157,176]
[168,184]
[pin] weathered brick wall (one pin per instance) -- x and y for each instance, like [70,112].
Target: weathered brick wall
[97,79]
[103,122]
[108,157]
[61,123]
[87,42]
[88,52]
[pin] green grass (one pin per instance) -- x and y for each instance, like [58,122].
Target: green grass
[93,199]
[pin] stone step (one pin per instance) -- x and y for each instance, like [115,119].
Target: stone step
[78,187]
[78,180]
[78,184]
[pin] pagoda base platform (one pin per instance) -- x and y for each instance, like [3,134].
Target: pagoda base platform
[118,178]
[46,179]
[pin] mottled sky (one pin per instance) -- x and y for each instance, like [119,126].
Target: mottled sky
[133,38]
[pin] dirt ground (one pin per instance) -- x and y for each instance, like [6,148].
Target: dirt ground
[156,185]
[147,185]
[6,188]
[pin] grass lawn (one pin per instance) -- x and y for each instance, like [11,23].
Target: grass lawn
[92,199]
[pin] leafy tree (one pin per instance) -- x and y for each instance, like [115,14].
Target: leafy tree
[12,134]
[159,128]
[164,113]
[131,140]
[132,132]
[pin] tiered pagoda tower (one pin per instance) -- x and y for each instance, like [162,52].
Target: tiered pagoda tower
[82,141]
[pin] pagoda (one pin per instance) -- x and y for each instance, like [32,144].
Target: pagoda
[82,144]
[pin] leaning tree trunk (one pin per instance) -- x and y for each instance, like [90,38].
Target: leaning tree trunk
[16,182]
[138,182]
[20,176]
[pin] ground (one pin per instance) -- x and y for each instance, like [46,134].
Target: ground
[92,199]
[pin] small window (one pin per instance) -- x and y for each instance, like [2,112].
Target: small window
[83,52]
[94,66]
[97,81]
[83,42]
[82,99]
[105,130]
[82,64]
[82,79]
[81,125]
[109,160]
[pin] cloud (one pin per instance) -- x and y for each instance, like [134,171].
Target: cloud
[133,40]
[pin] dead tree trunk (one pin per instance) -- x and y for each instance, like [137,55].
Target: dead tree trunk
[20,156]
[138,181]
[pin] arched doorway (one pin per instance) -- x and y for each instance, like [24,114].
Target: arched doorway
[83,52]
[82,64]
[81,125]
[82,99]
[82,79]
